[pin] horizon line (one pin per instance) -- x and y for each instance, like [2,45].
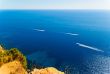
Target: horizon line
[48,9]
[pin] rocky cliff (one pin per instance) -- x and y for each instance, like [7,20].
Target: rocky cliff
[14,62]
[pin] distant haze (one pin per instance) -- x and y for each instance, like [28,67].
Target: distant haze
[54,4]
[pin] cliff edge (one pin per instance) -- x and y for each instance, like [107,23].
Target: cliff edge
[1,49]
[14,67]
[14,62]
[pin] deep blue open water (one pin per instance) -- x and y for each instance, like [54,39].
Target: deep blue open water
[76,40]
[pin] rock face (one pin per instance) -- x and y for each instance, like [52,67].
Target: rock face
[13,62]
[49,70]
[12,68]
[1,49]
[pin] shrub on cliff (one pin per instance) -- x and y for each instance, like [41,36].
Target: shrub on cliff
[17,55]
[12,55]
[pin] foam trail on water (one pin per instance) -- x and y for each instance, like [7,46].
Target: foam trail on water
[89,47]
[40,30]
[72,34]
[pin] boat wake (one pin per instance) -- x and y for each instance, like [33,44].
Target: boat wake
[72,34]
[40,30]
[89,47]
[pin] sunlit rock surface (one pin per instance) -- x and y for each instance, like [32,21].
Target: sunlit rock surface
[12,68]
[49,70]
[15,67]
[1,49]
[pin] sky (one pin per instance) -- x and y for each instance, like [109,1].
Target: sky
[55,4]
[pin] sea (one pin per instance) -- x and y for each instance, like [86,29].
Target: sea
[73,41]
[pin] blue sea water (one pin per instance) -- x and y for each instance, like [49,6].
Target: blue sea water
[77,41]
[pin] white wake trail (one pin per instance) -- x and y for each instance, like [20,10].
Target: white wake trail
[89,47]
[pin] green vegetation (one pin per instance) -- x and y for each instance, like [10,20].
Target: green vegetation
[12,55]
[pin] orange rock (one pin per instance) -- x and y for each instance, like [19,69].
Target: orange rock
[1,49]
[49,70]
[14,67]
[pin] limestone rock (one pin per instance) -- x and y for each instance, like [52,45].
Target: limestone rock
[14,67]
[49,70]
[1,49]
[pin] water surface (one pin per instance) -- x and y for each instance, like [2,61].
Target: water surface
[73,39]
